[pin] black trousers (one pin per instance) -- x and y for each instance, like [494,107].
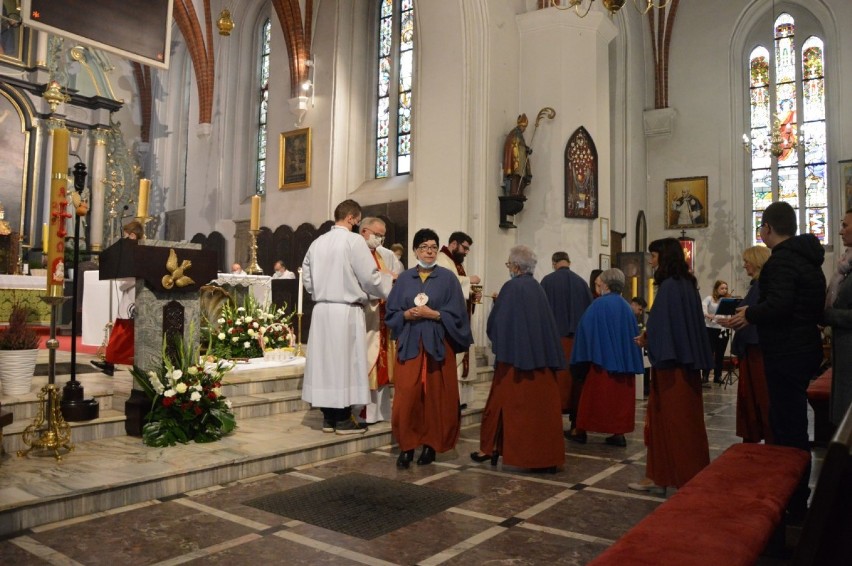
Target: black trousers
[718,344]
[336,415]
[787,380]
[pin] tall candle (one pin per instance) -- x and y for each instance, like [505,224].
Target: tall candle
[44,236]
[634,287]
[255,213]
[301,291]
[58,214]
[142,206]
[650,293]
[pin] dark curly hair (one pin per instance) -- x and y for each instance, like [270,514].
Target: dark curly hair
[670,261]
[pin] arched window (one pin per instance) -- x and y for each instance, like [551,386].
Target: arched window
[263,106]
[395,59]
[788,146]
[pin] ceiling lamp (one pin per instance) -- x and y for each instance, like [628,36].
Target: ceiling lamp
[582,7]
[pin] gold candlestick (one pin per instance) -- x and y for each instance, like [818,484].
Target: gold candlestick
[57,433]
[299,336]
[254,268]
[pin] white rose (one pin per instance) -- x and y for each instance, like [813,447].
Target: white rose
[217,391]
[228,403]
[246,344]
[241,309]
[234,339]
[221,321]
[192,370]
[169,393]
[196,396]
[254,324]
[197,387]
[221,336]
[266,339]
[251,332]
[180,387]
[248,319]
[177,374]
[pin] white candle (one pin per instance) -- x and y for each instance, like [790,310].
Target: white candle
[301,291]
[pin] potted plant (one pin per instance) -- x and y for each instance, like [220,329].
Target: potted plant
[18,351]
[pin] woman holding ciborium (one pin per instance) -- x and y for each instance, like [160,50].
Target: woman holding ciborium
[427,316]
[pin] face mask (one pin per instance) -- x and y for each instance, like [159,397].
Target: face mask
[425,265]
[374,242]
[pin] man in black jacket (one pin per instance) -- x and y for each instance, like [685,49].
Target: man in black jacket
[792,297]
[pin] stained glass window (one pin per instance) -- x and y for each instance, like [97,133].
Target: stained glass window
[263,107]
[394,82]
[787,128]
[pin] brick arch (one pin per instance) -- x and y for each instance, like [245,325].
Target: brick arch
[200,52]
[297,37]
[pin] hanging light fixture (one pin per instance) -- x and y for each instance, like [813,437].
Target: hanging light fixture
[225,23]
[582,7]
[688,246]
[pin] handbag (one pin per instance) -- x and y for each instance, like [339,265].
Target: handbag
[119,350]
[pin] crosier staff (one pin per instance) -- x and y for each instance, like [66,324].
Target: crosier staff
[546,112]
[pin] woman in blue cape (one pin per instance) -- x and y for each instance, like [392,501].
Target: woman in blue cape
[522,419]
[427,315]
[606,354]
[678,349]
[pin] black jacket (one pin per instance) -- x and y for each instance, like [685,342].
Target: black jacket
[792,298]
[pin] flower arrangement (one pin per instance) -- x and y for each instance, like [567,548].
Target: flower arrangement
[186,398]
[246,331]
[19,335]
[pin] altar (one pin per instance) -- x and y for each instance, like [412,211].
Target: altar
[26,290]
[260,286]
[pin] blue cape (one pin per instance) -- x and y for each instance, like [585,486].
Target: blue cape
[677,335]
[569,297]
[445,295]
[605,336]
[521,328]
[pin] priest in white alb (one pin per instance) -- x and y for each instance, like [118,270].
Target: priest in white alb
[340,274]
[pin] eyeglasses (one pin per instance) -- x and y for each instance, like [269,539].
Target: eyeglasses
[465,248]
[509,264]
[425,248]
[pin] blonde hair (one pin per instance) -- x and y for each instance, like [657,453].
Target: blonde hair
[757,256]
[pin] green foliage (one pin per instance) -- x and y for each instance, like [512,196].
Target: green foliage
[246,331]
[186,399]
[19,335]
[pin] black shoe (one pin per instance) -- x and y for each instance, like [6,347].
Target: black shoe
[405,458]
[573,435]
[495,456]
[105,367]
[427,456]
[479,458]
[616,440]
[327,425]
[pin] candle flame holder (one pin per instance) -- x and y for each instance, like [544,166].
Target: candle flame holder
[299,336]
[253,267]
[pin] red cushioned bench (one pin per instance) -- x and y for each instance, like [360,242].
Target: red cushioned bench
[819,398]
[725,515]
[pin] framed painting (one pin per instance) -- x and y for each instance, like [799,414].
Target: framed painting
[846,182]
[581,176]
[686,203]
[294,160]
[605,262]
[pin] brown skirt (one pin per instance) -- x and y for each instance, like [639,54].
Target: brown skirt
[608,403]
[426,402]
[522,418]
[753,398]
[674,432]
[569,390]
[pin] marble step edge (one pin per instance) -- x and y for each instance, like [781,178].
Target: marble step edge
[16,517]
[27,406]
[109,424]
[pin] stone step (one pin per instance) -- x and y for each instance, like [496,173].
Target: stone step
[26,407]
[109,424]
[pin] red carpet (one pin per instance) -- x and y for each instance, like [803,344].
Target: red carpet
[64,342]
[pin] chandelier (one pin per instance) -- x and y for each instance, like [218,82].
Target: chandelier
[582,7]
[781,141]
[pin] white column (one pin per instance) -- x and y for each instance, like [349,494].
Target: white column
[96,214]
[564,64]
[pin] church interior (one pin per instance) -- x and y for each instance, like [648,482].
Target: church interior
[232,130]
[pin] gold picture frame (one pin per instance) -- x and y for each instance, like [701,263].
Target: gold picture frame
[686,203]
[294,159]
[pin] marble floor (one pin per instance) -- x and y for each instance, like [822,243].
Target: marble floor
[512,517]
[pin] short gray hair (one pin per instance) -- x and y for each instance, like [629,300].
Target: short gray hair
[614,279]
[524,258]
[370,221]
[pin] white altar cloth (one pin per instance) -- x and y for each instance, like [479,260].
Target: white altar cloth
[260,285]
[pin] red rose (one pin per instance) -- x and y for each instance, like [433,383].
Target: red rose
[167,401]
[197,410]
